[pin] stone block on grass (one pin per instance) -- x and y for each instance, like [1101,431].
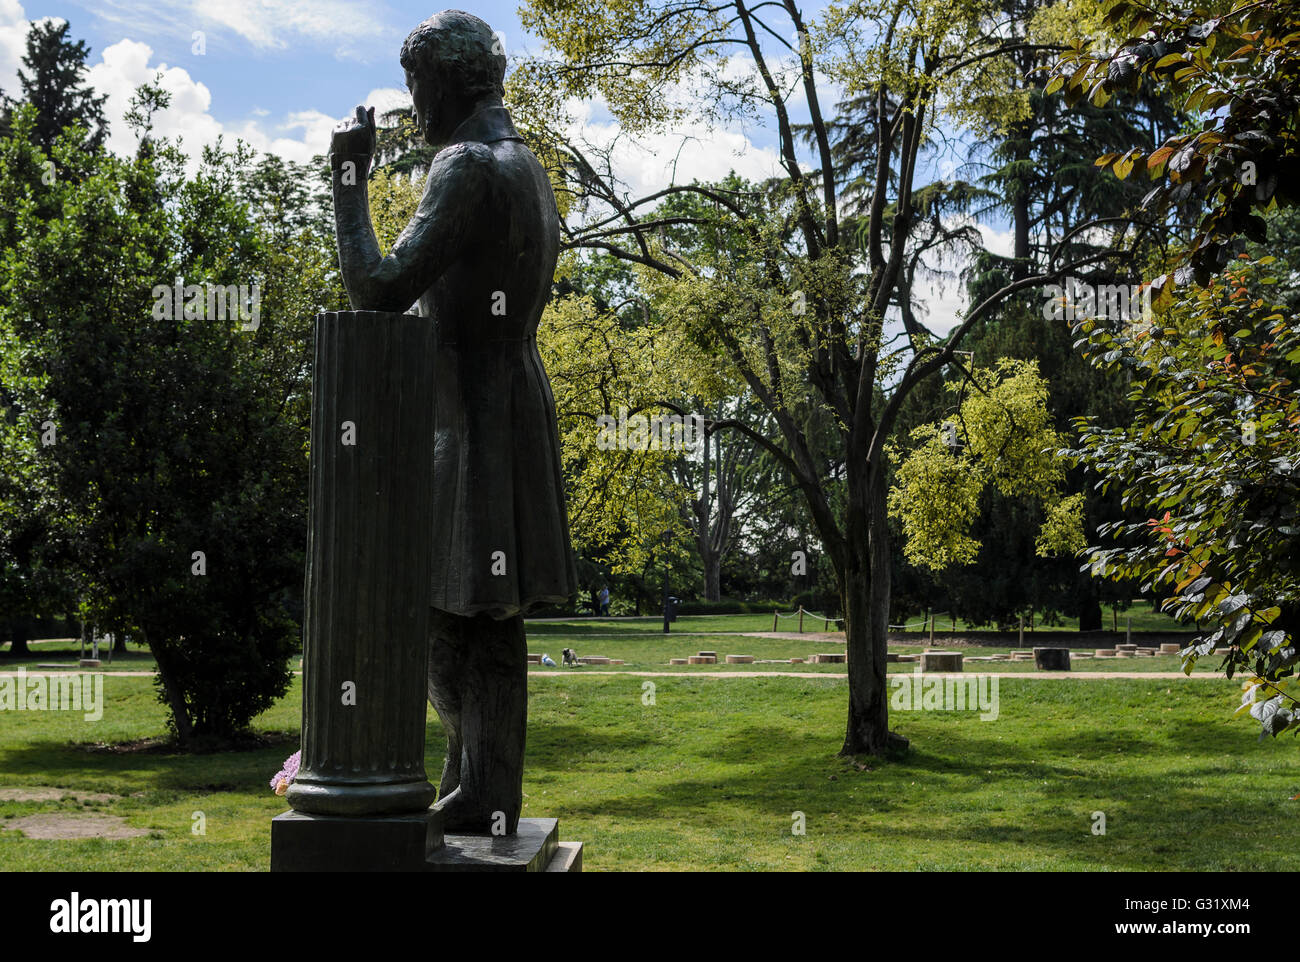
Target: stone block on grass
[1052,659]
[941,661]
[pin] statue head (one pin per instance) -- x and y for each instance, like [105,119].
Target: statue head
[454,65]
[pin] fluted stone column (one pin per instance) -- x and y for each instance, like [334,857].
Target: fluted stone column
[367,585]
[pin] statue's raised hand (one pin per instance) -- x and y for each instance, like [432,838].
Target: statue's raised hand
[356,135]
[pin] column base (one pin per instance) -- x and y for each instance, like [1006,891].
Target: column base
[354,843]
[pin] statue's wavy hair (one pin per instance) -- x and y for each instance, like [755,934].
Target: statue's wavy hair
[455,47]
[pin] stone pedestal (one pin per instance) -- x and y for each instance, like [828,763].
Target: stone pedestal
[351,843]
[414,843]
[532,849]
[361,799]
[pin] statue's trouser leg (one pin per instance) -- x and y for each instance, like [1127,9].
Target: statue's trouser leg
[480,681]
[447,643]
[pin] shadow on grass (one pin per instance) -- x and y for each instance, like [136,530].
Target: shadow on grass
[955,788]
[161,769]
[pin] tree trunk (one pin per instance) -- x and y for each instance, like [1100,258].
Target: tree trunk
[1090,615]
[712,576]
[172,692]
[865,599]
[1090,609]
[19,633]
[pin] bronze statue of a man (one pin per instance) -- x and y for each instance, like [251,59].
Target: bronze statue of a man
[477,259]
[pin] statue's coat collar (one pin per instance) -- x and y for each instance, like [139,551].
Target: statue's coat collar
[486,125]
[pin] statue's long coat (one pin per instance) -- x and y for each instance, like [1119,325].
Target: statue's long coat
[488,228]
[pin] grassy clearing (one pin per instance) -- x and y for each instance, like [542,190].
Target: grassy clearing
[709,775]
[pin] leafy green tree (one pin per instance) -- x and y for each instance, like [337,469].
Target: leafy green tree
[1236,64]
[797,311]
[1211,453]
[400,145]
[173,481]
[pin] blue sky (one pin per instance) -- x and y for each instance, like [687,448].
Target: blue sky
[272,70]
[275,59]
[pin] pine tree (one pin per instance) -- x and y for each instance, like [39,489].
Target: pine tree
[53,82]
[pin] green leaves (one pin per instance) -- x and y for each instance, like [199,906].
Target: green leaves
[1212,457]
[1000,436]
[1240,72]
[175,433]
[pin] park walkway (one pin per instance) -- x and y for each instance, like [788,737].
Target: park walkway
[580,673]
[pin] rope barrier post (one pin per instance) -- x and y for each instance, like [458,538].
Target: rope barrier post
[1128,630]
[932,617]
[801,619]
[774,617]
[1022,631]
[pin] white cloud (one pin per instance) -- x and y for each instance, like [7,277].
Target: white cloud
[266,23]
[13,40]
[261,24]
[124,67]
[298,137]
[945,300]
[127,64]
[652,162]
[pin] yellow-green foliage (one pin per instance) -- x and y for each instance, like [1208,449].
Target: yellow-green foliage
[1068,21]
[393,200]
[981,93]
[1005,439]
[620,501]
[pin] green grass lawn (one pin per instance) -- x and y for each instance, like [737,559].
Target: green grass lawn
[709,776]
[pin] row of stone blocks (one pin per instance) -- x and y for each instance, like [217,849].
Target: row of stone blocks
[1138,651]
[711,658]
[1045,658]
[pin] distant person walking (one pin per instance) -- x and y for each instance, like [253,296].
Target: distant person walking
[604,601]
